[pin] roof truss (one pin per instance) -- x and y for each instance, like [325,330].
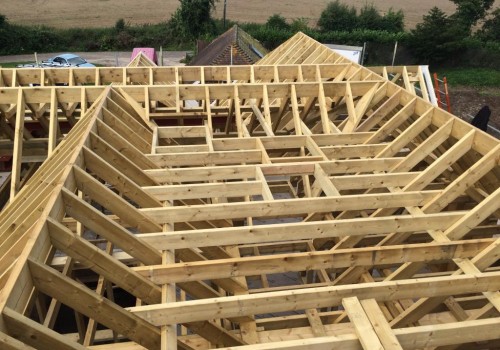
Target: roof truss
[302,203]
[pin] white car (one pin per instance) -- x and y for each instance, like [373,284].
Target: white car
[66,60]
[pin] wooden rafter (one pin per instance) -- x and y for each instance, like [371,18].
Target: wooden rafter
[302,202]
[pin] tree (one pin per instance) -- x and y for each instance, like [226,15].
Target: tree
[393,22]
[120,25]
[438,38]
[299,25]
[491,27]
[277,22]
[338,17]
[469,12]
[369,17]
[3,20]
[193,18]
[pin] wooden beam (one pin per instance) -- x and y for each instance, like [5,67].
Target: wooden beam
[360,109]
[103,226]
[242,171]
[410,338]
[442,163]
[362,325]
[208,190]
[370,181]
[125,124]
[215,333]
[119,161]
[336,259]
[120,181]
[103,264]
[425,148]
[380,325]
[34,334]
[111,201]
[54,123]
[198,174]
[18,146]
[407,136]
[464,181]
[475,216]
[286,207]
[388,127]
[120,143]
[403,266]
[9,343]
[295,110]
[89,303]
[301,230]
[207,158]
[263,303]
[316,324]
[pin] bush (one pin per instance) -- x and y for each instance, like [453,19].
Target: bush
[359,36]
[477,53]
[277,22]
[192,18]
[120,25]
[299,25]
[437,38]
[15,39]
[338,17]
[369,18]
[270,38]
[393,22]
[491,27]
[469,12]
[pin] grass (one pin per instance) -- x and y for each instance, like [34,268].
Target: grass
[15,64]
[12,64]
[473,77]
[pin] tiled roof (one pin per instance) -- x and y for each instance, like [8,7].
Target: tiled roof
[234,47]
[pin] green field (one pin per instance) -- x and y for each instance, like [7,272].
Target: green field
[474,77]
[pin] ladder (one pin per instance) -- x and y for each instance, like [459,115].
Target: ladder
[443,97]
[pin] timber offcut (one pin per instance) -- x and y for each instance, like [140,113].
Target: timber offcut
[304,202]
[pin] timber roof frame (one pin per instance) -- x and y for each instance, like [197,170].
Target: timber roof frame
[201,201]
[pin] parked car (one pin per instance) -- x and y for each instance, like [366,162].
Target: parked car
[66,60]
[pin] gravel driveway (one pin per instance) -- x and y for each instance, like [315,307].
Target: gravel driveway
[111,59]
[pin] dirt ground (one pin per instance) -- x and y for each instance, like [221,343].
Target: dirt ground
[466,102]
[105,13]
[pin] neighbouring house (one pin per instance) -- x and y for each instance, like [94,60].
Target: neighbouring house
[234,47]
